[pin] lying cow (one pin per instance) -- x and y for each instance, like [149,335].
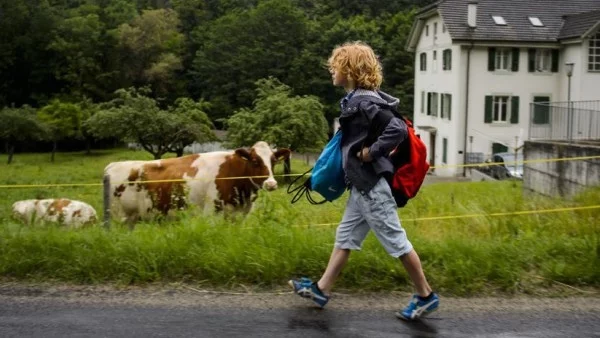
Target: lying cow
[140,187]
[62,211]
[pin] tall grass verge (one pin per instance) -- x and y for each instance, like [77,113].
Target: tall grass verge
[471,255]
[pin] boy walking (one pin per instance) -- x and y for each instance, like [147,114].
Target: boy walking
[370,132]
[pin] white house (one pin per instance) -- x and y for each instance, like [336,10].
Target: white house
[479,65]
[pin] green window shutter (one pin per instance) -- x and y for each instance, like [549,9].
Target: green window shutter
[531,59]
[514,114]
[491,59]
[489,104]
[442,106]
[445,150]
[541,110]
[428,103]
[449,106]
[515,59]
[555,61]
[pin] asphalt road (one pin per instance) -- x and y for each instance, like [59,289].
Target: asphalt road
[118,313]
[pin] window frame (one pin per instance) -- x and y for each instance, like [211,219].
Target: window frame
[432,104]
[594,53]
[543,60]
[535,21]
[447,59]
[496,116]
[503,55]
[536,118]
[445,150]
[423,61]
[499,20]
[446,106]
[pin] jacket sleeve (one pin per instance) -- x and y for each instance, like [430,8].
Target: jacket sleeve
[394,131]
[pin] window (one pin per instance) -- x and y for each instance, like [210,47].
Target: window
[500,112]
[543,60]
[423,62]
[594,53]
[447,59]
[426,30]
[435,28]
[445,150]
[501,109]
[443,28]
[434,63]
[541,109]
[432,104]
[536,21]
[499,148]
[499,20]
[446,106]
[422,102]
[502,59]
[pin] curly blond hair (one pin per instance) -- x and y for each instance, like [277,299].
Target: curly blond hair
[358,61]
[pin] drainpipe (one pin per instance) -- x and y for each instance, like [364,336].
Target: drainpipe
[467,108]
[472,24]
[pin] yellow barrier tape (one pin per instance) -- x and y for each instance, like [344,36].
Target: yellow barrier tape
[284,175]
[494,214]
[542,160]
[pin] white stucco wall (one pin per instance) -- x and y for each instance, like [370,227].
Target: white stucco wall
[585,85]
[523,84]
[437,80]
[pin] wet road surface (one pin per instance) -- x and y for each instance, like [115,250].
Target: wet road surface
[93,314]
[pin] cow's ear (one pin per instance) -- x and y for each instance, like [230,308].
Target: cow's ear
[243,153]
[282,154]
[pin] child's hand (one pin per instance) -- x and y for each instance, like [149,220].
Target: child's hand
[364,155]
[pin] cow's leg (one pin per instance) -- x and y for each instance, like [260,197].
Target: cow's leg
[131,219]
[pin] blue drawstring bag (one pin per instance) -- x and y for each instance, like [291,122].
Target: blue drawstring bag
[327,177]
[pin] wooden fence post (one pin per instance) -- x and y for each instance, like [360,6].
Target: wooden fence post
[106,205]
[287,170]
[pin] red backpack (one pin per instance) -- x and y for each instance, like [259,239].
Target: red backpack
[410,166]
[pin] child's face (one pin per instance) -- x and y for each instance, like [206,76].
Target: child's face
[338,78]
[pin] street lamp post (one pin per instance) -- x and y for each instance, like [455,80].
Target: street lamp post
[569,68]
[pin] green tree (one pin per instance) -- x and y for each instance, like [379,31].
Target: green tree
[19,125]
[190,124]
[136,117]
[62,120]
[295,122]
[398,64]
[25,30]
[78,47]
[151,48]
[241,47]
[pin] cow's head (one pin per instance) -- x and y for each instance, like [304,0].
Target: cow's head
[261,160]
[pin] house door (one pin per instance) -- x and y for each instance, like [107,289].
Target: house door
[432,150]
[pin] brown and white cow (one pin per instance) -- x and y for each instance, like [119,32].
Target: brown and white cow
[138,188]
[61,210]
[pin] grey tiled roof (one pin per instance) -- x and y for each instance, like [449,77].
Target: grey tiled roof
[516,13]
[579,24]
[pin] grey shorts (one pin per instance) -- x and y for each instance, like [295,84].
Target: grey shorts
[377,211]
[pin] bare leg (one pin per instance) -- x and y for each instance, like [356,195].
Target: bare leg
[337,261]
[412,264]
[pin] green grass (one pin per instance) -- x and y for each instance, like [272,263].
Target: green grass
[462,256]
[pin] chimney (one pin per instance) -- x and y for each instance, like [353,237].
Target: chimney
[472,13]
